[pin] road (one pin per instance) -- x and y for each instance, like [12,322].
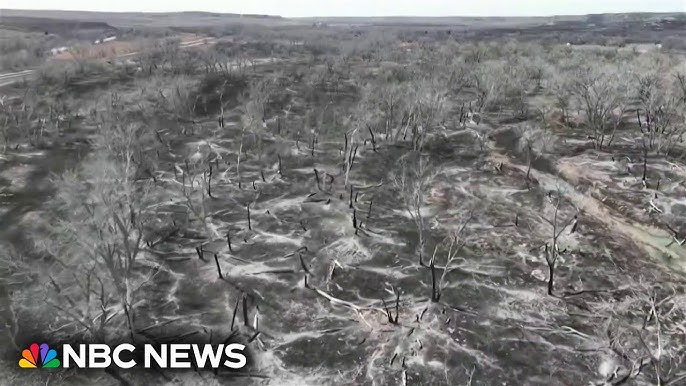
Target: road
[13,77]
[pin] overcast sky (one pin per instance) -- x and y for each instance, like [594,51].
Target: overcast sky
[295,8]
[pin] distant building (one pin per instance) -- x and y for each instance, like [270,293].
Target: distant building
[109,39]
[58,50]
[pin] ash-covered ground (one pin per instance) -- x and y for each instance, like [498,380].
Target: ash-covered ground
[441,212]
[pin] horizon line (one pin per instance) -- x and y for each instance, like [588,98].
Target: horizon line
[346,16]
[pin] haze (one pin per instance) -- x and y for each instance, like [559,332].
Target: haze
[305,8]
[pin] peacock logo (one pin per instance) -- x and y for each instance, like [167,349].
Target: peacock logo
[39,356]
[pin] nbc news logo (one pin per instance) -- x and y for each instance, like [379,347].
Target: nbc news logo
[166,356]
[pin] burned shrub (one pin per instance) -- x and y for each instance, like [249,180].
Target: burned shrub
[216,90]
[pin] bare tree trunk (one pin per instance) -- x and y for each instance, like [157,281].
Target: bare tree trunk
[551,278]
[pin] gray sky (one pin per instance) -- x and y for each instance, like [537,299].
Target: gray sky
[295,8]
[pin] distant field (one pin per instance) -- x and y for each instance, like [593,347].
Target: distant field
[492,20]
[105,50]
[48,24]
[116,48]
[138,19]
[442,21]
[194,19]
[27,36]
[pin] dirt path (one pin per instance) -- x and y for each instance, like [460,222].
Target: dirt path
[654,241]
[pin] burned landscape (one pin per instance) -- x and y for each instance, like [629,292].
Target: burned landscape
[459,202]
